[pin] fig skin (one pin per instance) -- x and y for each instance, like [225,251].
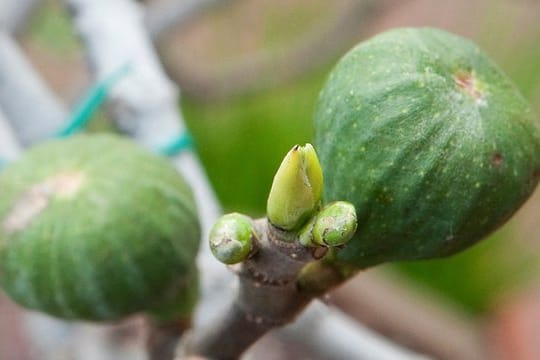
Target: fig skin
[96,228]
[429,139]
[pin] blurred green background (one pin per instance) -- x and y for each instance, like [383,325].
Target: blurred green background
[242,136]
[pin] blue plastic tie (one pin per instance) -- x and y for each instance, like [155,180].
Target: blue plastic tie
[181,143]
[91,102]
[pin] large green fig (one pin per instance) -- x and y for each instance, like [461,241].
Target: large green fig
[429,140]
[96,228]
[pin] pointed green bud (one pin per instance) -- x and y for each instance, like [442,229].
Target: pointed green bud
[335,225]
[231,238]
[297,188]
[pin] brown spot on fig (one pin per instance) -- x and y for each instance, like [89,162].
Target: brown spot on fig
[32,202]
[467,82]
[497,159]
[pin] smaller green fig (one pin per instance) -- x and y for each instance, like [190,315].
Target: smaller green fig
[96,228]
[231,238]
[296,190]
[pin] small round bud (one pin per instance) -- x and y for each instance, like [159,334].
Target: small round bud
[230,238]
[335,225]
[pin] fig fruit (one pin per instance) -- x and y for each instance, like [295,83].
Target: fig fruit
[96,228]
[430,141]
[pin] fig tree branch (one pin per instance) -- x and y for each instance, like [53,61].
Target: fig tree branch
[267,298]
[219,288]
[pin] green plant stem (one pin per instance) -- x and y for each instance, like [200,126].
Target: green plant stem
[268,296]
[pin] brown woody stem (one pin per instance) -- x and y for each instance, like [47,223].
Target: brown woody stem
[268,296]
[163,338]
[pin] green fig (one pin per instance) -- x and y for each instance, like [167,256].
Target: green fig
[430,141]
[96,228]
